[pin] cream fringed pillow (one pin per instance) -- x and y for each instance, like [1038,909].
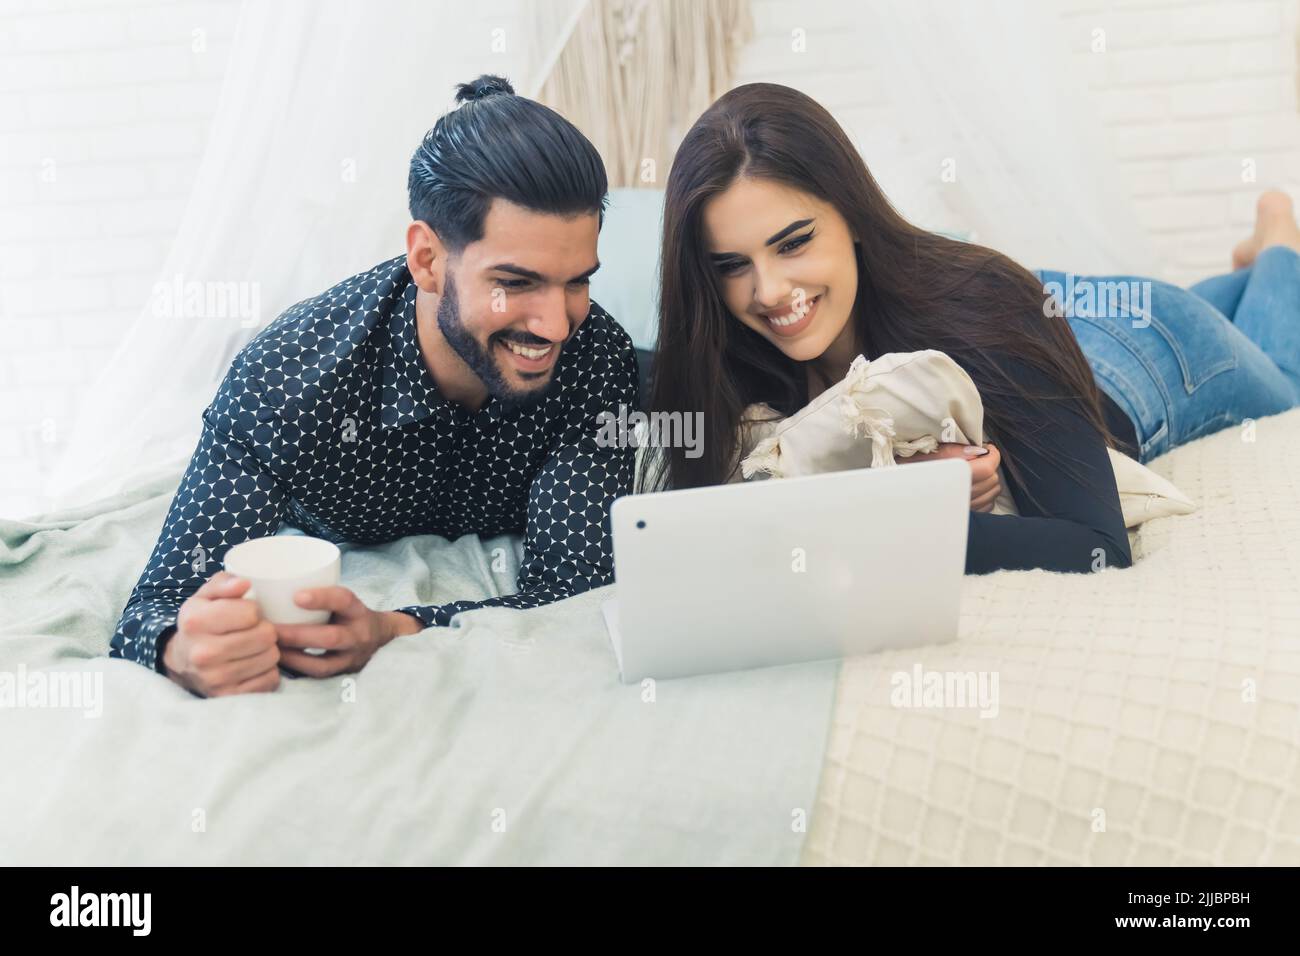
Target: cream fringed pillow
[901,404]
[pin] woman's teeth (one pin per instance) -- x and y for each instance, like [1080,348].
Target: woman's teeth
[526,352]
[794,315]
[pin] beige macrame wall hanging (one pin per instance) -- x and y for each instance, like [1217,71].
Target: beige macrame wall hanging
[636,73]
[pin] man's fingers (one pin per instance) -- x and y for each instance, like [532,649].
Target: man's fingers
[236,672]
[260,684]
[312,665]
[337,599]
[223,584]
[243,644]
[211,651]
[331,637]
[218,615]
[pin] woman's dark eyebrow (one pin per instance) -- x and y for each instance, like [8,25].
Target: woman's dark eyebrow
[799,224]
[787,230]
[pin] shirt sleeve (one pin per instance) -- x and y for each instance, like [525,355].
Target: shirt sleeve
[1076,523]
[228,494]
[568,547]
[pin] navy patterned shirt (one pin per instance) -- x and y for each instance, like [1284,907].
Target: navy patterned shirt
[329,420]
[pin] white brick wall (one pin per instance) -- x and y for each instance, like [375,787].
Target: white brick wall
[1196,98]
[104,107]
[1199,101]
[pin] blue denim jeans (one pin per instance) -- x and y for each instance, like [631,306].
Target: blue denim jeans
[1183,363]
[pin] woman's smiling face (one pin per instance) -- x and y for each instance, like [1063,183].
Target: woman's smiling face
[785,263]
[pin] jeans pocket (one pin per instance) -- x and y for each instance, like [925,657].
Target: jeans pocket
[1126,368]
[1151,345]
[1196,334]
[1178,337]
[1210,425]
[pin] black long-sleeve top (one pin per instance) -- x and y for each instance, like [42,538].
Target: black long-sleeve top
[1077,523]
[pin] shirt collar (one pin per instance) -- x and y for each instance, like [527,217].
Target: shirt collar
[407,391]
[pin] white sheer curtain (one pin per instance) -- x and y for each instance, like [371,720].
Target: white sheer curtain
[303,183]
[304,179]
[996,135]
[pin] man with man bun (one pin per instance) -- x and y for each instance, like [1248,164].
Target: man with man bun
[455,389]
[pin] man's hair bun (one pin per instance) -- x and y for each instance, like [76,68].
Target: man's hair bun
[485,86]
[496,144]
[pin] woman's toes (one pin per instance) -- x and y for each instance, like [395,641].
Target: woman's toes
[1274,205]
[1275,225]
[1243,254]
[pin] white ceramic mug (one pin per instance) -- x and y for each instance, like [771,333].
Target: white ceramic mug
[281,565]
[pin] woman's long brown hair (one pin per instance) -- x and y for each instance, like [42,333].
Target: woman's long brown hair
[916,290]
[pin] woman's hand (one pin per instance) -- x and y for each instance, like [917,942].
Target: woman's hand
[984,483]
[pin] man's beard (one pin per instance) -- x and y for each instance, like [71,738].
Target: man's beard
[482,362]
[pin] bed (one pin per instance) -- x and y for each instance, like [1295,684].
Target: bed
[1148,715]
[1144,715]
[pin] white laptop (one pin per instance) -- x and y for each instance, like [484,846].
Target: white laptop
[781,571]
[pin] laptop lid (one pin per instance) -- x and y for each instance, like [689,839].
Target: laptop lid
[786,570]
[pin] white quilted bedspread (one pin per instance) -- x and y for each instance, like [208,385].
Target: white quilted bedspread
[1148,715]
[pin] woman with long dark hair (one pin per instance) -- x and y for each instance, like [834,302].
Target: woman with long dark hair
[782,260]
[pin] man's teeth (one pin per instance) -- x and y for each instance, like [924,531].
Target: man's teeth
[794,315]
[525,351]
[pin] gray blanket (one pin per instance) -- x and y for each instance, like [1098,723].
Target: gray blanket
[504,739]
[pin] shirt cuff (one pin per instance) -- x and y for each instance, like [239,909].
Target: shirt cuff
[440,615]
[141,638]
[429,615]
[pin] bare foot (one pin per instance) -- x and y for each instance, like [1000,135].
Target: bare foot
[1275,225]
